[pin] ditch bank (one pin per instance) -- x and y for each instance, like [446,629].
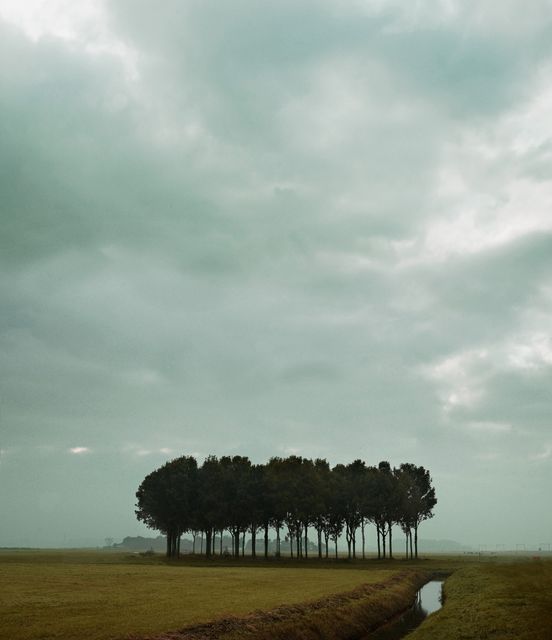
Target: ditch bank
[344,616]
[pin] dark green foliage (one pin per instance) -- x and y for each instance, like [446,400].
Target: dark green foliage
[230,493]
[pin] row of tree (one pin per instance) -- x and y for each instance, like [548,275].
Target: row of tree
[292,495]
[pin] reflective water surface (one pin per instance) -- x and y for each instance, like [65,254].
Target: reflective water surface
[428,600]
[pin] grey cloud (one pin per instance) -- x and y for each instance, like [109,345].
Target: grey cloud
[209,258]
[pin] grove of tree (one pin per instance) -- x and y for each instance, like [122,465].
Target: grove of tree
[288,495]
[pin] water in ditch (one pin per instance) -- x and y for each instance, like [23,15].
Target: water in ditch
[428,600]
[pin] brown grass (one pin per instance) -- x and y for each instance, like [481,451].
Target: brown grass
[103,596]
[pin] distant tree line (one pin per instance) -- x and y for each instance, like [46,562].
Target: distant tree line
[290,495]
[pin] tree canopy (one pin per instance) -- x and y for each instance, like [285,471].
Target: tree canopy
[291,494]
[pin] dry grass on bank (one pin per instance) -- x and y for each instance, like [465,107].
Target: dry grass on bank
[100,596]
[500,602]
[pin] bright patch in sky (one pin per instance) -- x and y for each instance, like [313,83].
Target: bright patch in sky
[53,18]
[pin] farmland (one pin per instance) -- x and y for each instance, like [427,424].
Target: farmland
[94,595]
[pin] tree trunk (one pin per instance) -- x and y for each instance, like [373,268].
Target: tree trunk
[319,531]
[266,541]
[253,542]
[363,540]
[390,541]
[335,548]
[306,541]
[194,536]
[379,541]
[278,542]
[326,540]
[178,545]
[201,544]
[416,540]
[208,536]
[410,536]
[243,545]
[168,553]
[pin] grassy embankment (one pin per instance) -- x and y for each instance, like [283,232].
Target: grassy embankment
[96,596]
[494,601]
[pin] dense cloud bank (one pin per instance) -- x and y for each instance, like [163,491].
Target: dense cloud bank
[296,228]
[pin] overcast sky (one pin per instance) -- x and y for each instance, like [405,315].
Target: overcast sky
[266,228]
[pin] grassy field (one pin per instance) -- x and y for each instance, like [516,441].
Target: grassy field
[511,600]
[95,595]
[101,596]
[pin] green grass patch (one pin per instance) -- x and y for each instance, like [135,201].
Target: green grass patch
[494,601]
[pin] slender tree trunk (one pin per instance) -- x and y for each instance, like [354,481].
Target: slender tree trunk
[178,545]
[194,536]
[319,531]
[306,541]
[335,540]
[410,536]
[291,545]
[379,541]
[298,543]
[354,543]
[278,541]
[406,541]
[326,541]
[208,547]
[363,540]
[390,541]
[168,553]
[220,544]
[266,541]
[416,540]
[201,544]
[243,545]
[253,542]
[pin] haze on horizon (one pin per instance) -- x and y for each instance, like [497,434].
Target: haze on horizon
[320,228]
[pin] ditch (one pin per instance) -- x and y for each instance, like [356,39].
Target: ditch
[428,600]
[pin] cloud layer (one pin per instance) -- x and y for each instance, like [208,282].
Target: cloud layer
[320,228]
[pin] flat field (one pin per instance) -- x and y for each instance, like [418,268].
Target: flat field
[100,596]
[107,596]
